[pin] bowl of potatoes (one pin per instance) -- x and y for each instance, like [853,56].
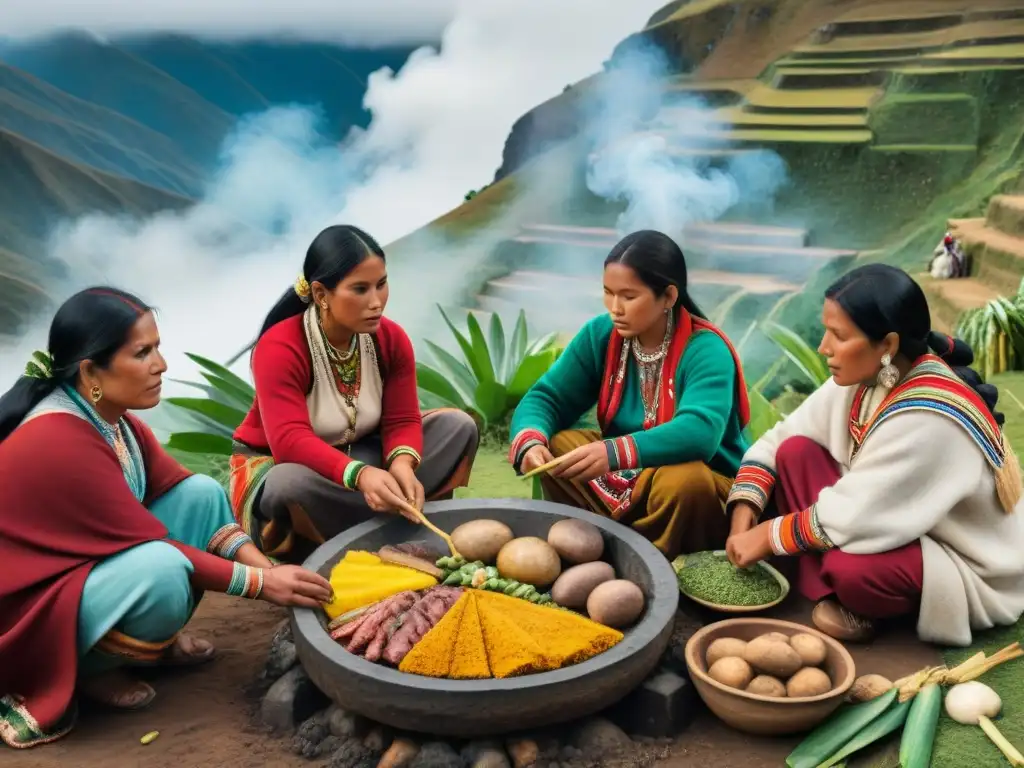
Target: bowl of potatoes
[767,676]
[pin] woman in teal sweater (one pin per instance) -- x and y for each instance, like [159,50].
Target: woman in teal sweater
[671,403]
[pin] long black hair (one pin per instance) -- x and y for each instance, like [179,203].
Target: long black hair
[92,325]
[658,261]
[880,300]
[332,255]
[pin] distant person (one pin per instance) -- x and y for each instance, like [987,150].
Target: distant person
[948,260]
[671,404]
[335,434]
[107,543]
[895,483]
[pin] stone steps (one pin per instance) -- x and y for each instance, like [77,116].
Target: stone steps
[996,257]
[791,264]
[948,299]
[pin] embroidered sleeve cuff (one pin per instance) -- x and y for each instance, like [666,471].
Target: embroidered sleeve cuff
[622,453]
[522,442]
[227,541]
[246,581]
[799,532]
[403,450]
[753,484]
[351,475]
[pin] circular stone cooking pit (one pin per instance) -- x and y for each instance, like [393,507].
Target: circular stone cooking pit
[490,707]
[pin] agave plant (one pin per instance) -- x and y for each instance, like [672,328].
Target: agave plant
[995,332]
[494,373]
[215,417]
[802,355]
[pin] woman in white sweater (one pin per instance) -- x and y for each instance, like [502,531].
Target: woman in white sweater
[893,482]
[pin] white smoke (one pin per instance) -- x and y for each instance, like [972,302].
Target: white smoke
[635,161]
[438,129]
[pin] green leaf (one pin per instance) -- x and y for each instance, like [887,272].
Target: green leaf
[529,372]
[429,401]
[543,344]
[464,344]
[517,347]
[438,384]
[481,361]
[461,377]
[239,397]
[763,415]
[806,360]
[224,415]
[200,442]
[491,400]
[221,372]
[496,342]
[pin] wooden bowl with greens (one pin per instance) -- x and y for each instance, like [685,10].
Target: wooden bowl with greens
[709,579]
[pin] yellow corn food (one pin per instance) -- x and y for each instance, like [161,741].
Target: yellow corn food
[469,661]
[149,737]
[361,578]
[488,634]
[510,650]
[432,656]
[566,637]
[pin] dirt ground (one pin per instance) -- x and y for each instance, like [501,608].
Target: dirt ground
[205,715]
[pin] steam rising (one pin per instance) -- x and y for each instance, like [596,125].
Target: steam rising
[438,128]
[635,163]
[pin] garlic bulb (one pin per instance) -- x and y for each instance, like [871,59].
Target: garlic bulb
[966,702]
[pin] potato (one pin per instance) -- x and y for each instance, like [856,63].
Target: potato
[812,649]
[616,603]
[576,541]
[481,539]
[776,636]
[529,560]
[766,685]
[809,681]
[725,646]
[731,671]
[772,657]
[574,586]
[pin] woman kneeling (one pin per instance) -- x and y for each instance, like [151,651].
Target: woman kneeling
[335,433]
[671,404]
[894,481]
[107,543]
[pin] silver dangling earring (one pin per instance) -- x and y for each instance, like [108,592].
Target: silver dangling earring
[890,374]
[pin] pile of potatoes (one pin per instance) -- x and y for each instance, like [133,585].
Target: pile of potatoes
[772,664]
[587,583]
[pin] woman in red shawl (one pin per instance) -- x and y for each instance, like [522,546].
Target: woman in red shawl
[107,542]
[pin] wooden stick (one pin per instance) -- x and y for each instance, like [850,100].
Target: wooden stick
[543,468]
[410,508]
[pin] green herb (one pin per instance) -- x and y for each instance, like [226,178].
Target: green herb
[714,579]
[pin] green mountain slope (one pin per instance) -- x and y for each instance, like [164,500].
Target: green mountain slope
[39,188]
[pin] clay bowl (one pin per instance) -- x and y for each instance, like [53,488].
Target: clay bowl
[719,608]
[478,708]
[766,715]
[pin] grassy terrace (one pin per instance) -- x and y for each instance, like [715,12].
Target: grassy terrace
[961,35]
[823,99]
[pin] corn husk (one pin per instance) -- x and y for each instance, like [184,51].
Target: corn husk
[971,669]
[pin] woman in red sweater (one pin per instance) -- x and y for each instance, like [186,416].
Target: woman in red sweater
[335,433]
[107,543]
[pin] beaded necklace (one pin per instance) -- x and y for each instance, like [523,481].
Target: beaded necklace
[347,369]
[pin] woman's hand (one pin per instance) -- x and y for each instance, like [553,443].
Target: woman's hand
[744,517]
[382,492]
[292,585]
[584,463]
[402,470]
[751,547]
[537,456]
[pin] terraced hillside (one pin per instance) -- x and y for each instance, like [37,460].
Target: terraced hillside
[994,245]
[891,118]
[737,272]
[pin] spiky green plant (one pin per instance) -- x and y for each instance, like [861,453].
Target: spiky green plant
[995,332]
